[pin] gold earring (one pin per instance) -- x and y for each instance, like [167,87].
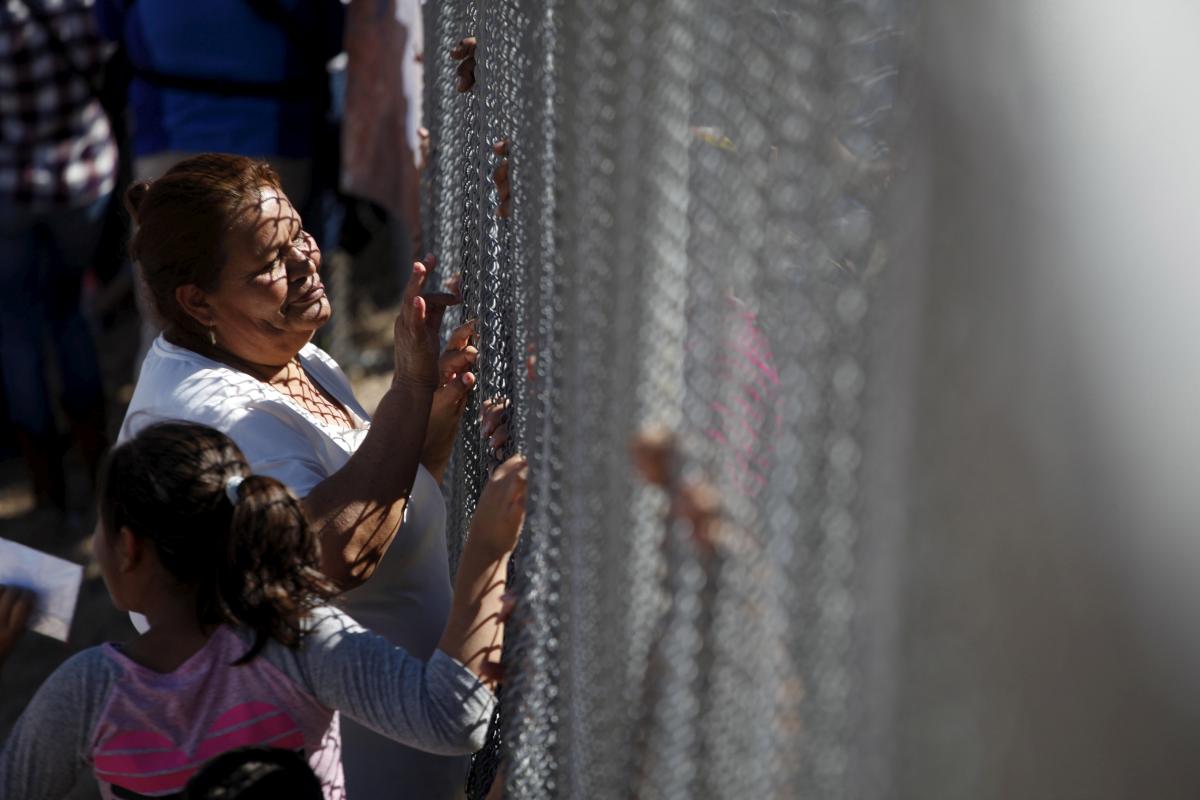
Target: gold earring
[212,336]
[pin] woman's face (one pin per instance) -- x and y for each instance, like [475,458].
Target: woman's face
[269,298]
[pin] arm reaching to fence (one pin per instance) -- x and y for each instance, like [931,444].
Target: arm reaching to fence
[476,627]
[357,510]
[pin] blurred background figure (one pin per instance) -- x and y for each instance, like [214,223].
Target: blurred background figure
[381,141]
[247,77]
[58,162]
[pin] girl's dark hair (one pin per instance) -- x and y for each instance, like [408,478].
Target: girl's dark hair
[254,563]
[183,221]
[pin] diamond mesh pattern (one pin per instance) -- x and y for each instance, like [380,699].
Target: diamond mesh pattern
[691,246]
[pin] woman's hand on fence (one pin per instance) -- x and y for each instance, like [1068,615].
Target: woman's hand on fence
[417,327]
[456,382]
[464,53]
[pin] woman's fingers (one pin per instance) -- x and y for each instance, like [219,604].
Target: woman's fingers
[436,304]
[420,318]
[417,278]
[442,300]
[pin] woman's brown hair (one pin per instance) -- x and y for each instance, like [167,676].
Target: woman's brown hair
[183,221]
[246,548]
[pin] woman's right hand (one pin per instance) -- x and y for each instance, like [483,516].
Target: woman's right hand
[417,327]
[500,512]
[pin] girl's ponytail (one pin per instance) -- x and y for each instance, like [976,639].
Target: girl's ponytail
[269,579]
[241,540]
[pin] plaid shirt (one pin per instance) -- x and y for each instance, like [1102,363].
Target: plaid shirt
[56,147]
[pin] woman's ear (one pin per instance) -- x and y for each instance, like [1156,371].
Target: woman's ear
[131,550]
[194,301]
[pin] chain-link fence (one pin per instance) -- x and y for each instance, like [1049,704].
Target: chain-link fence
[690,257]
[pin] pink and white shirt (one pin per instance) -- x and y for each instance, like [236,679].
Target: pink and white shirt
[145,733]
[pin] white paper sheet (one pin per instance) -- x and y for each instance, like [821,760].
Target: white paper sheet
[55,581]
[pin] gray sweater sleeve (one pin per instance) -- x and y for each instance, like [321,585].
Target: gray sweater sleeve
[438,706]
[49,745]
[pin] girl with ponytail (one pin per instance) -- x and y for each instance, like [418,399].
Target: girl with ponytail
[244,649]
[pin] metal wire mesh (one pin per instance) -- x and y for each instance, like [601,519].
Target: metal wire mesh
[691,245]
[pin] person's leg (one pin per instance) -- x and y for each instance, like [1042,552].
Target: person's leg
[71,244]
[22,355]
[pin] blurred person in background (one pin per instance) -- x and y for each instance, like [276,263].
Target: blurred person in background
[381,140]
[58,162]
[246,77]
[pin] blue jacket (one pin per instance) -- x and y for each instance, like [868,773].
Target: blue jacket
[214,75]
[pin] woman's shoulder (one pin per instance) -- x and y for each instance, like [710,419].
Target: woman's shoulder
[171,373]
[176,383]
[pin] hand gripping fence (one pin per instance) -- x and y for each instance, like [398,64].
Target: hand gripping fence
[692,247]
